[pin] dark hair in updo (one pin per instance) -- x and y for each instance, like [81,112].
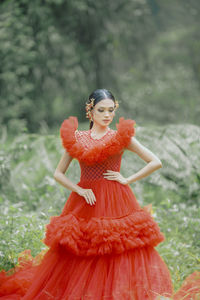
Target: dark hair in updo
[98,95]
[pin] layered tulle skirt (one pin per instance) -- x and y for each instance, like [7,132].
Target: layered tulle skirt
[135,274]
[103,251]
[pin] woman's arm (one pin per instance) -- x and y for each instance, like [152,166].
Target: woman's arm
[153,162]
[59,173]
[60,177]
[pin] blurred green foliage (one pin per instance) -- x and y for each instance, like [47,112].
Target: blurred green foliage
[30,195]
[54,55]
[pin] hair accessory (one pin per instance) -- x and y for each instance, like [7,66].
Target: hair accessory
[116,104]
[89,106]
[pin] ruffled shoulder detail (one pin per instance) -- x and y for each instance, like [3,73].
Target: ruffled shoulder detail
[99,151]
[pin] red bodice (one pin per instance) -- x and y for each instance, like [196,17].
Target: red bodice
[96,170]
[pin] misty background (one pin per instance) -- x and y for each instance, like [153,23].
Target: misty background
[54,53]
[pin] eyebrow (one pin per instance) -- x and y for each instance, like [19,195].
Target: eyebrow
[105,107]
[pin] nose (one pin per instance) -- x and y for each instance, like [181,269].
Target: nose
[106,113]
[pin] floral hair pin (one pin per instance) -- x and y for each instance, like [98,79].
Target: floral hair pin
[116,104]
[89,107]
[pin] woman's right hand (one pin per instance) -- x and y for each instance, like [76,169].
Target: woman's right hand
[88,195]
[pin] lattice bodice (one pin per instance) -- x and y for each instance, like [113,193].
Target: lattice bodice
[96,170]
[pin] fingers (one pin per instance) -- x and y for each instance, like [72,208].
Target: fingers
[87,198]
[90,197]
[112,175]
[111,172]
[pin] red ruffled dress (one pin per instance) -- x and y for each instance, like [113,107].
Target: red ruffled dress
[190,289]
[101,251]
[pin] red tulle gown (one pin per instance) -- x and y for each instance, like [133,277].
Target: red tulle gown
[103,251]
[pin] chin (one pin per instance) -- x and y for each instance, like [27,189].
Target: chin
[105,124]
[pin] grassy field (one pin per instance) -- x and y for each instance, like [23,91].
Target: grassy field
[30,195]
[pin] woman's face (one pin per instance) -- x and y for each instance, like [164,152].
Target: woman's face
[103,112]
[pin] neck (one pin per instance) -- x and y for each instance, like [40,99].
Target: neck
[98,128]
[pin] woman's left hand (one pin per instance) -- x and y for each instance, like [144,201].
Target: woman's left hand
[113,175]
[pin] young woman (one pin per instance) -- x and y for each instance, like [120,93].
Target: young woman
[102,246]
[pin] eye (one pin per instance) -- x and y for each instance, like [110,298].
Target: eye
[111,110]
[100,110]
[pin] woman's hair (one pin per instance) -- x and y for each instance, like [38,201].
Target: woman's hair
[98,95]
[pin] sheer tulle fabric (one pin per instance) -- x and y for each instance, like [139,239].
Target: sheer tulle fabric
[136,274]
[110,227]
[103,251]
[190,288]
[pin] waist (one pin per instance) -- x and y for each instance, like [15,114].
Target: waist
[92,174]
[95,181]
